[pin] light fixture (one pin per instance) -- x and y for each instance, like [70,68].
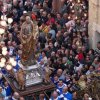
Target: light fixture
[69,17]
[14,63]
[10,20]
[3,60]
[4,49]
[3,17]
[8,67]
[85,14]
[2,64]
[4,53]
[3,23]
[11,60]
[2,30]
[24,12]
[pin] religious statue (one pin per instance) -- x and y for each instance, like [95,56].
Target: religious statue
[20,77]
[91,87]
[28,35]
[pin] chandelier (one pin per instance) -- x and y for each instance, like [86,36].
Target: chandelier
[6,61]
[4,23]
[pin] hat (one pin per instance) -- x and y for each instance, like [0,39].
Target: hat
[24,12]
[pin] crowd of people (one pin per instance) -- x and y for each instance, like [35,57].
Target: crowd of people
[62,44]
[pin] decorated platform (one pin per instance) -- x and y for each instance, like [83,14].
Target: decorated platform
[33,90]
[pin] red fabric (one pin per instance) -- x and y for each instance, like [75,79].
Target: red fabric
[50,21]
[80,56]
[33,17]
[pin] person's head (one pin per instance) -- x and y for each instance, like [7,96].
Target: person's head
[58,16]
[16,95]
[53,53]
[60,83]
[42,62]
[98,45]
[2,44]
[65,15]
[14,43]
[44,13]
[75,80]
[19,52]
[22,98]
[91,68]
[74,95]
[10,35]
[21,4]
[50,44]
[20,46]
[16,30]
[83,48]
[14,12]
[49,16]
[59,72]
[43,54]
[54,94]
[56,78]
[15,2]
[45,5]
[64,60]
[41,96]
[0,89]
[91,51]
[59,33]
[87,58]
[9,43]
[41,11]
[65,89]
[28,19]
[66,52]
[96,60]
[6,84]
[86,96]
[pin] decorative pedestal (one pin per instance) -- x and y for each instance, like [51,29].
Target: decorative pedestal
[34,84]
[33,75]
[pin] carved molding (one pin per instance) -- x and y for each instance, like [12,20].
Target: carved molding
[95,2]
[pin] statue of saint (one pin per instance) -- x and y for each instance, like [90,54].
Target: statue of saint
[28,35]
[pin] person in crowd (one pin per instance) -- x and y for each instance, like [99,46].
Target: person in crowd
[15,96]
[60,86]
[67,94]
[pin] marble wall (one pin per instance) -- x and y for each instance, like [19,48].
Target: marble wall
[94,22]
